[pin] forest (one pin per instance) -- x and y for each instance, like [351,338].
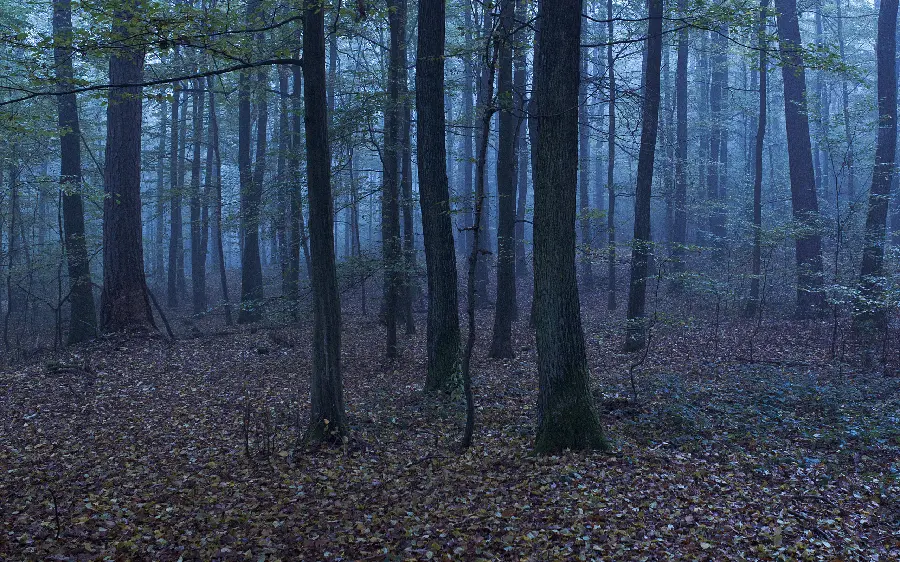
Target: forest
[449,280]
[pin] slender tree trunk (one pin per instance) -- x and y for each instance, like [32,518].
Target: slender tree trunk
[217,187]
[284,147]
[328,421]
[756,261]
[679,232]
[566,416]
[467,162]
[635,330]
[409,241]
[198,235]
[717,137]
[520,49]
[505,311]
[176,244]
[584,164]
[611,164]
[872,313]
[159,253]
[443,337]
[845,104]
[83,315]
[125,304]
[390,193]
[804,202]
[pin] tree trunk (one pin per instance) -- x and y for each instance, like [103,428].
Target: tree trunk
[283,212]
[641,249]
[520,61]
[176,244]
[679,212]
[566,416]
[611,164]
[872,312]
[390,193]
[443,338]
[327,422]
[756,260]
[467,162]
[482,105]
[159,253]
[198,234]
[409,241]
[83,315]
[845,104]
[808,242]
[125,304]
[584,163]
[718,144]
[505,310]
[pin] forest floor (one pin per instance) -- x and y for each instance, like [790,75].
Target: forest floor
[184,451]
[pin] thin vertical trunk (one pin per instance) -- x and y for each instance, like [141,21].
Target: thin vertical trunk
[217,186]
[505,310]
[282,216]
[804,203]
[717,136]
[482,105]
[520,49]
[756,272]
[125,303]
[159,253]
[849,163]
[566,416]
[409,249]
[198,241]
[611,164]
[467,162]
[679,216]
[390,193]
[176,244]
[83,315]
[873,312]
[443,337]
[641,249]
[327,421]
[584,160]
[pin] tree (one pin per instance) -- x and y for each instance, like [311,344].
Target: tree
[443,337]
[872,311]
[327,421]
[251,186]
[611,164]
[125,303]
[756,259]
[83,321]
[390,193]
[584,161]
[804,204]
[198,230]
[679,214]
[505,310]
[406,183]
[566,416]
[635,330]
[176,242]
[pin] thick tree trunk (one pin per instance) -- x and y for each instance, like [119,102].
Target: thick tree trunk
[804,202]
[328,421]
[505,310]
[83,315]
[198,234]
[871,313]
[125,304]
[756,259]
[443,338]
[566,416]
[641,249]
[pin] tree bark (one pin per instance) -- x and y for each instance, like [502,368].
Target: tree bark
[584,165]
[83,315]
[176,243]
[611,164]
[505,310]
[125,304]
[198,233]
[679,212]
[328,421]
[804,203]
[756,259]
[871,313]
[390,193]
[641,249]
[443,337]
[566,416]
